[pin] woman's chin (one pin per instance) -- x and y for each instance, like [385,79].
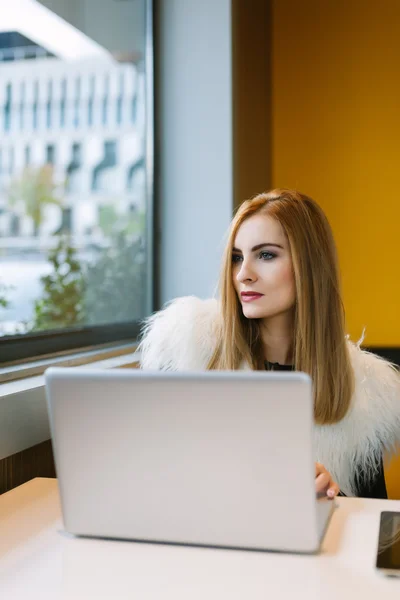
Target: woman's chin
[252,312]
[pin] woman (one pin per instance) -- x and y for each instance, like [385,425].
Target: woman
[280,308]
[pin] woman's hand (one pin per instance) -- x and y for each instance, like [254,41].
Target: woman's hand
[324,483]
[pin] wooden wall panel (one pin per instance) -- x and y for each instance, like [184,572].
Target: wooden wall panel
[251,97]
[33,462]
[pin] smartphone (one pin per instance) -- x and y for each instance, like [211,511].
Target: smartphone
[388,555]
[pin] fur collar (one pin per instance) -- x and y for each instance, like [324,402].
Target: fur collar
[182,337]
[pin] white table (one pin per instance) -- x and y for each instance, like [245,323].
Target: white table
[38,560]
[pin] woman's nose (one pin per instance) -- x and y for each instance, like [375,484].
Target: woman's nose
[245,273]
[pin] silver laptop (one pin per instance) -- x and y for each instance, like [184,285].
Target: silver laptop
[216,458]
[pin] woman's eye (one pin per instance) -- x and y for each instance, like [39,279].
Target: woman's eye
[236,258]
[267,255]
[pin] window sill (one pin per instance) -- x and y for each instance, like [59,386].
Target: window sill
[23,411]
[27,369]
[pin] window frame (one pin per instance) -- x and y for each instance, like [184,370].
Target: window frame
[16,348]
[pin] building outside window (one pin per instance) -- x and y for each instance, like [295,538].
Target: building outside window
[75,177]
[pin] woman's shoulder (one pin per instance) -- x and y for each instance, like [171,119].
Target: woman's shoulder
[375,409]
[371,427]
[373,373]
[181,336]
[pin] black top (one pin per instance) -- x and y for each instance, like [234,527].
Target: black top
[374,488]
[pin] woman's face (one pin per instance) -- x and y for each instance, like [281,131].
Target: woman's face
[262,268]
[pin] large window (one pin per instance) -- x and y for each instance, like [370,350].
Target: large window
[75,173]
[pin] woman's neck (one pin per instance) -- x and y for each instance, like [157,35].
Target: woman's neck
[277,339]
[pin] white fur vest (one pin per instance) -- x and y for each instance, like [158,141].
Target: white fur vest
[183,335]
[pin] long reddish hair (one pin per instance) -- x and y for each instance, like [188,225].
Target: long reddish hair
[319,342]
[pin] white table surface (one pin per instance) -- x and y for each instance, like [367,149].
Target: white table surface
[38,560]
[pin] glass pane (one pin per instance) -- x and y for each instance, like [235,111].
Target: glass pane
[73,180]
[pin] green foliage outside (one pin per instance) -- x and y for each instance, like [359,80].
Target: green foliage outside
[114,283]
[61,301]
[4,303]
[107,289]
[33,191]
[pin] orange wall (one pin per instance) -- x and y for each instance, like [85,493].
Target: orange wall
[336,137]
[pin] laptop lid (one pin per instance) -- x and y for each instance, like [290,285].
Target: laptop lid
[212,458]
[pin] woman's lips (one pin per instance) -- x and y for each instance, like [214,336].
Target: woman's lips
[250,296]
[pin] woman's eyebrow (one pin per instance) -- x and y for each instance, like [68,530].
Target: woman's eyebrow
[259,246]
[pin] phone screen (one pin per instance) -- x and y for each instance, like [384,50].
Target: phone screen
[389,541]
